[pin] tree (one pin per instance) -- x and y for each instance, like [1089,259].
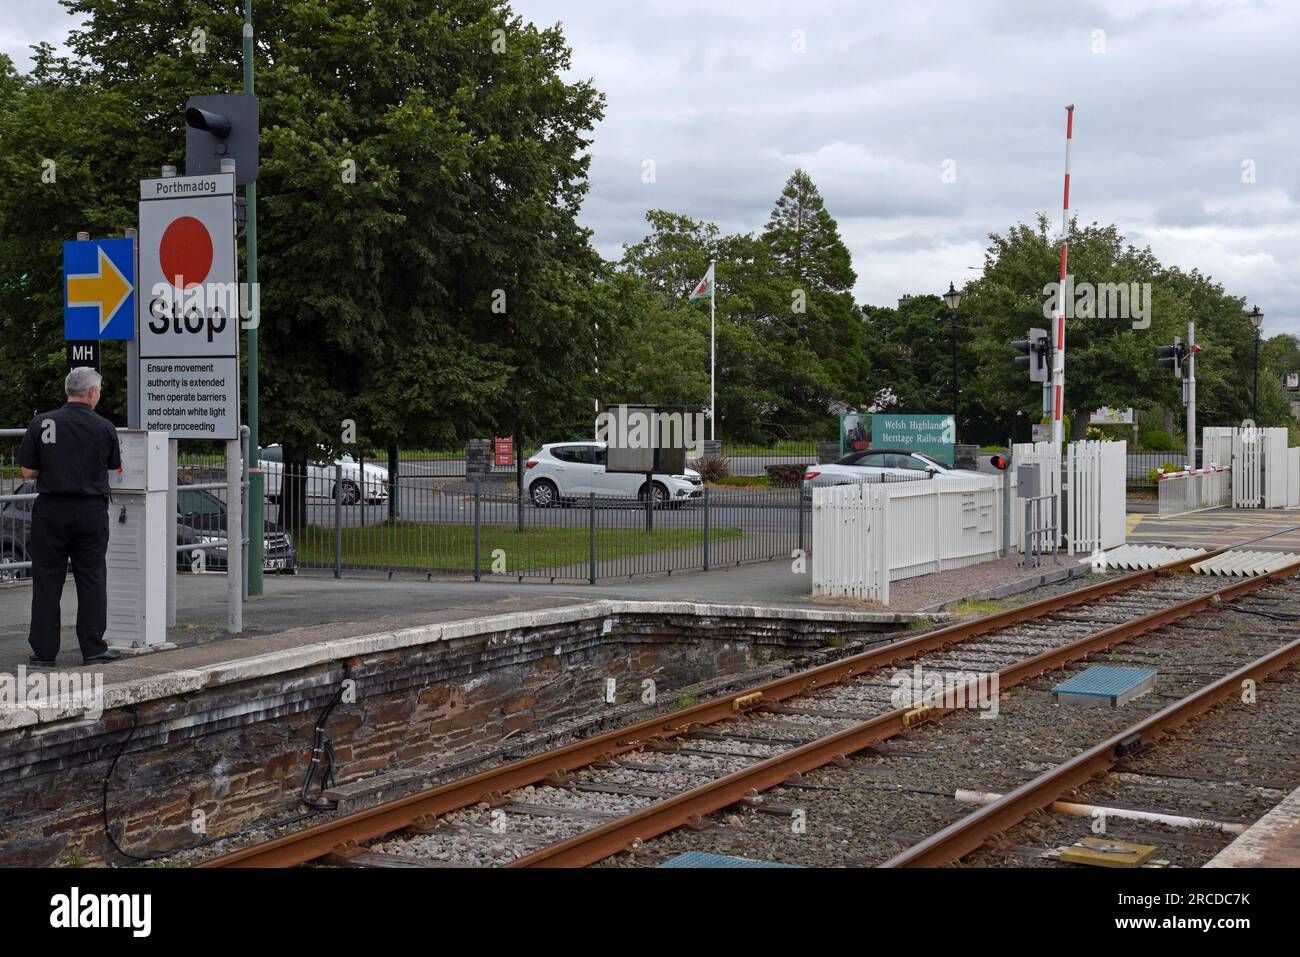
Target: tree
[814,319]
[422,168]
[1110,360]
[909,349]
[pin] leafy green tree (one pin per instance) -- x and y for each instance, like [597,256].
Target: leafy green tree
[1108,361]
[422,167]
[910,352]
[662,349]
[814,320]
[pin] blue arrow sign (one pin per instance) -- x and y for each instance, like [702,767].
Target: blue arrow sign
[99,289]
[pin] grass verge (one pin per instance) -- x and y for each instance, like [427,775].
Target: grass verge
[451,547]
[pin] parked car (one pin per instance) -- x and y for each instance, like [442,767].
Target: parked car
[321,478]
[200,517]
[878,465]
[564,471]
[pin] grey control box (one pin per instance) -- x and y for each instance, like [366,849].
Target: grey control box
[1029,481]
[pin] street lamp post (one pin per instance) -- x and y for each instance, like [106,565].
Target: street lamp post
[1257,321]
[953,299]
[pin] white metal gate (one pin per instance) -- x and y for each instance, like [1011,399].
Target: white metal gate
[1096,495]
[1048,457]
[1265,473]
[1277,470]
[1247,469]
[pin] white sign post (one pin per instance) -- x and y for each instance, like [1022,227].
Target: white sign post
[188,331]
[189,307]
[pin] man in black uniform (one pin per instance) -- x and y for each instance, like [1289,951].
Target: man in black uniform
[69,452]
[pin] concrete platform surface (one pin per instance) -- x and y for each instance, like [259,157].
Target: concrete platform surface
[360,602]
[1272,841]
[303,620]
[203,665]
[334,607]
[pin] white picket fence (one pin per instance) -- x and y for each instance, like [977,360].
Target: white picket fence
[866,535]
[1265,473]
[1096,495]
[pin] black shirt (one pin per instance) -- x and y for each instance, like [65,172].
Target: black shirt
[73,448]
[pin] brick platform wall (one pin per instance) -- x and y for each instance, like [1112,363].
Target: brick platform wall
[237,753]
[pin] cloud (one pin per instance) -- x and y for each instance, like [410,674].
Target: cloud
[1172,98]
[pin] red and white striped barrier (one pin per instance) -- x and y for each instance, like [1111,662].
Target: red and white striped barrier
[1161,476]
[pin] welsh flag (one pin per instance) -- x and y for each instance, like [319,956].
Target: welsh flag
[704,288]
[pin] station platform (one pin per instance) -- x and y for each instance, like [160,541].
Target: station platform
[412,683]
[305,619]
[1272,841]
[1219,528]
[320,607]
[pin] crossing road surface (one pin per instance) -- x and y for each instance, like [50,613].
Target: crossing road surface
[1217,527]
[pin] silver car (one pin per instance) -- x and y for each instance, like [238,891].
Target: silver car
[878,465]
[321,478]
[565,471]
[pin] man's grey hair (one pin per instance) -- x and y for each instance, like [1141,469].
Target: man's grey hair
[80,381]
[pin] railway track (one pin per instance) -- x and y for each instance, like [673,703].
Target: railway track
[885,802]
[1209,783]
[584,802]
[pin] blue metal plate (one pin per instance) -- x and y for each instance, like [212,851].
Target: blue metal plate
[701,859]
[1104,681]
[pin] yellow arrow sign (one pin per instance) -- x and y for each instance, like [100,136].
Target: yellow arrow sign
[107,289]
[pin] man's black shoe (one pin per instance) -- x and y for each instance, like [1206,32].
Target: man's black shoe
[108,655]
[40,662]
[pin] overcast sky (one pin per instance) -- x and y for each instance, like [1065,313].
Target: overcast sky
[727,97]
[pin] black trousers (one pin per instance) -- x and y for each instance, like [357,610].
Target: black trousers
[69,528]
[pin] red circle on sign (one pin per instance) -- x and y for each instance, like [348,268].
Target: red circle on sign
[185,252]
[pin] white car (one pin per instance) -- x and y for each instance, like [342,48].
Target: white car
[563,471]
[321,478]
[878,465]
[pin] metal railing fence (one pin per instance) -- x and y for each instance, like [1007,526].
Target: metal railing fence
[354,516]
[486,530]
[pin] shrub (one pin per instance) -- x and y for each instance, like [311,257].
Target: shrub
[1157,440]
[786,475]
[1100,435]
[1154,474]
[712,467]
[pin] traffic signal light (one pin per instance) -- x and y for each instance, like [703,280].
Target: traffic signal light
[221,126]
[1035,354]
[1000,462]
[1173,357]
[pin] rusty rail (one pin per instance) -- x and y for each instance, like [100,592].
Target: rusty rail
[663,816]
[371,823]
[961,837]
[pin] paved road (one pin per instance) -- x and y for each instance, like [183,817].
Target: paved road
[740,464]
[1217,527]
[752,511]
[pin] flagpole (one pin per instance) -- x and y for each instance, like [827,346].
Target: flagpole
[713,382]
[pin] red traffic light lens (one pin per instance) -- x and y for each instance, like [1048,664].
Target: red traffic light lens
[1000,462]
